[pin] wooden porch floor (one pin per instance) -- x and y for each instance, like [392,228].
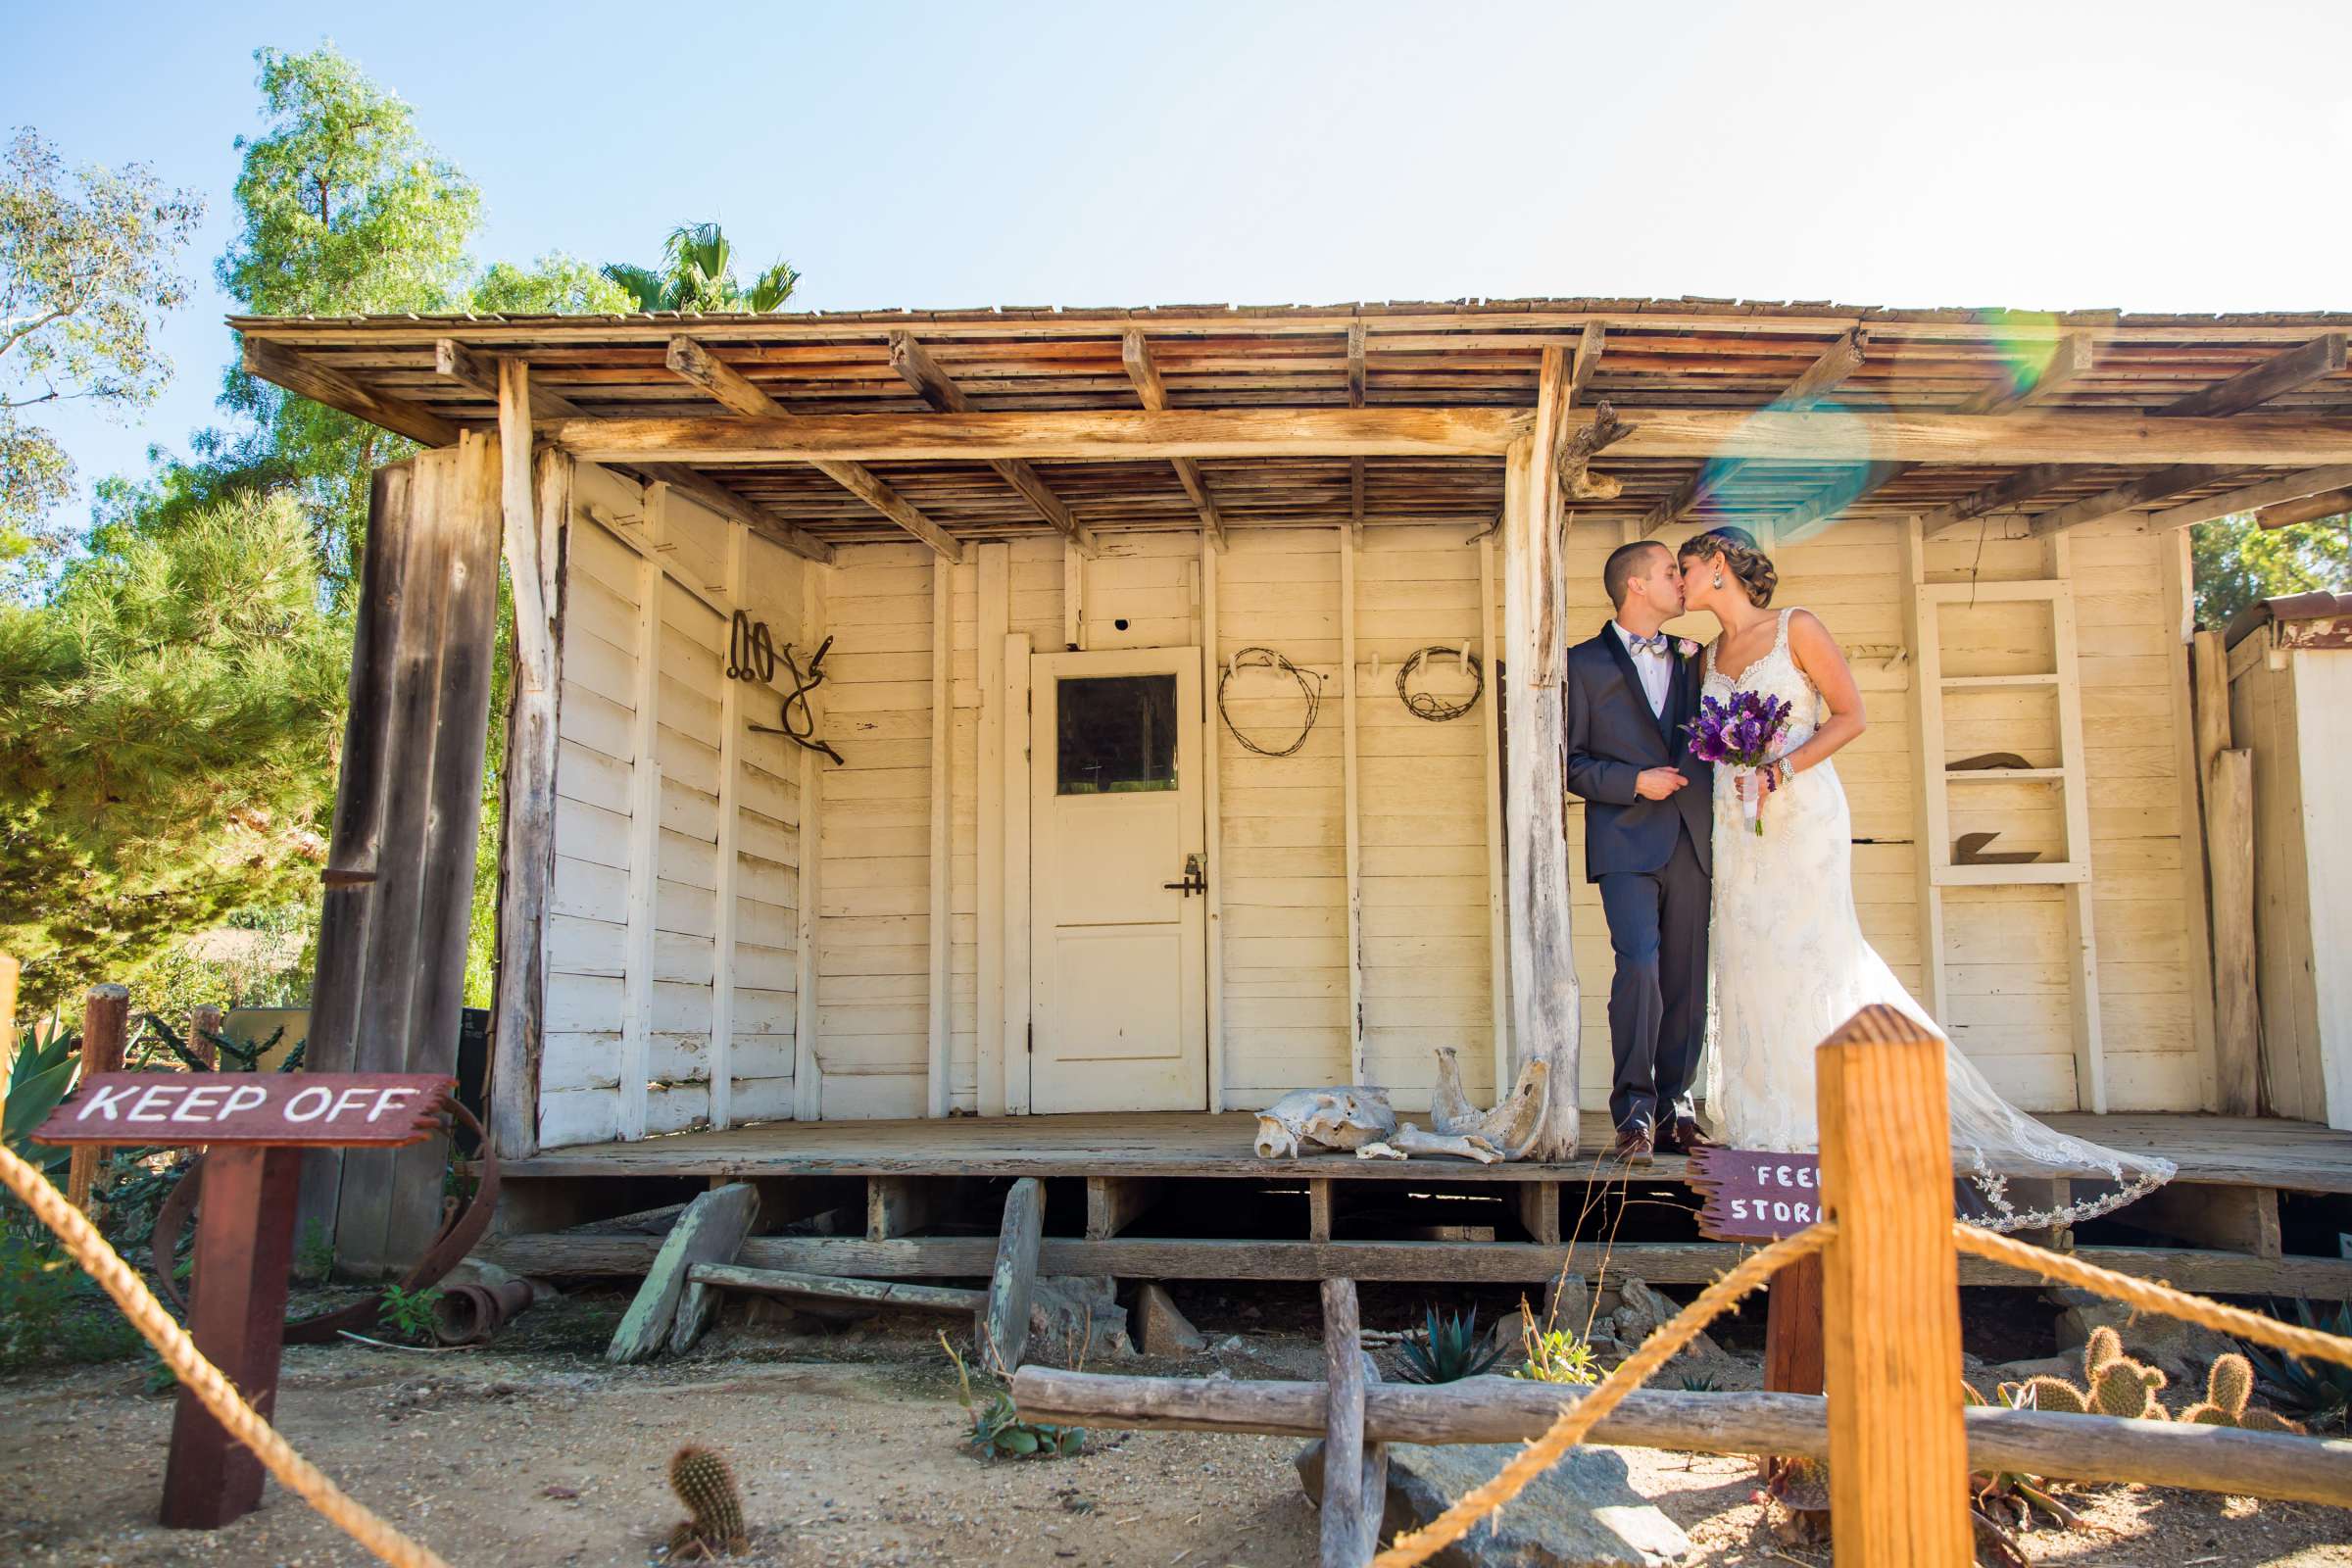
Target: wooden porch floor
[2220,1150]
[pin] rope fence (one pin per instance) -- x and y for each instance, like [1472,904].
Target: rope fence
[200,1377]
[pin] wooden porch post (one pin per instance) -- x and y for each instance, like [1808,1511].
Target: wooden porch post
[1898,1449]
[1544,989]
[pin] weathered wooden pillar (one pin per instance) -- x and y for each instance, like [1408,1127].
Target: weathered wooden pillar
[393,928]
[1544,987]
[105,1033]
[1890,1287]
[1354,1472]
[2226,777]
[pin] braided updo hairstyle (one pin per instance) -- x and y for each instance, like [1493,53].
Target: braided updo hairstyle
[1736,548]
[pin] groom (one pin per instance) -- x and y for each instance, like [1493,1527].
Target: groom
[1648,827]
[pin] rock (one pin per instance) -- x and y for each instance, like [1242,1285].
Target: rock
[1076,1318]
[2069,1367]
[1640,1311]
[1568,1306]
[1581,1513]
[1160,1329]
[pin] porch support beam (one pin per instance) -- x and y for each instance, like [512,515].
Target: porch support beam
[1119,436]
[299,374]
[1356,400]
[731,387]
[2311,508]
[2252,498]
[935,386]
[1136,354]
[1838,360]
[1543,986]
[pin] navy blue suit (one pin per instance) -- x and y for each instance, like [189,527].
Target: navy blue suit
[1652,861]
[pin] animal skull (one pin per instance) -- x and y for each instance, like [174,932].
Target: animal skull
[1317,1121]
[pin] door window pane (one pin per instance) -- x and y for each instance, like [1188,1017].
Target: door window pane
[1118,734]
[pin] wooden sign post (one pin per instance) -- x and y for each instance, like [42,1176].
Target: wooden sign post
[256,1126]
[1755,1195]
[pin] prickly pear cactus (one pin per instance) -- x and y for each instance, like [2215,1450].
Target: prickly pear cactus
[2103,1346]
[706,1485]
[2229,1385]
[2053,1394]
[2126,1388]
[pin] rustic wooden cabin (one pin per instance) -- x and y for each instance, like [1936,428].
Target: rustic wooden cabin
[1187,734]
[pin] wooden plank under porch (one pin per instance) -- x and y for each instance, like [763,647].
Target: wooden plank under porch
[1172,1196]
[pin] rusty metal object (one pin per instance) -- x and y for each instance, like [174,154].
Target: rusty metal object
[461,1229]
[468,1314]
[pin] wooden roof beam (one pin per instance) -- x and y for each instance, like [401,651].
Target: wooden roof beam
[299,374]
[2311,508]
[1838,360]
[732,388]
[935,386]
[2269,493]
[478,373]
[2070,360]
[1356,400]
[1136,354]
[2281,372]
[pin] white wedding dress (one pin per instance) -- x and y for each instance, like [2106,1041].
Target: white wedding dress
[1790,965]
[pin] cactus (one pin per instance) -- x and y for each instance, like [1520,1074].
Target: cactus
[2105,1345]
[2228,1386]
[706,1485]
[2127,1387]
[2048,1394]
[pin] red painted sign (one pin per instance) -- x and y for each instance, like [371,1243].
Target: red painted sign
[331,1108]
[1755,1195]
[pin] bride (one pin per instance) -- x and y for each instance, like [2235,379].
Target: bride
[1789,962]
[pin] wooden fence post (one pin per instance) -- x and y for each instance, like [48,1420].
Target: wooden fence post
[1890,1293]
[105,1031]
[205,1023]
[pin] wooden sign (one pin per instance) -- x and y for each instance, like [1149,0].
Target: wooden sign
[257,1124]
[275,1108]
[1755,1195]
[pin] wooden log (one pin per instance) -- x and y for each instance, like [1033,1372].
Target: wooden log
[1890,1296]
[1004,1330]
[711,1231]
[105,1032]
[1128,435]
[2237,989]
[897,1205]
[2311,508]
[1352,1502]
[832,1287]
[1114,1202]
[1496,1409]
[1487,1263]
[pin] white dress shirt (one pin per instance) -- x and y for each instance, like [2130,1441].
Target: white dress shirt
[1656,670]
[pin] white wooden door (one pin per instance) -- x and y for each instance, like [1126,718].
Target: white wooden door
[1118,978]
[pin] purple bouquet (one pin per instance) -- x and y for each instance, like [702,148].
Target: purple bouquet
[1740,734]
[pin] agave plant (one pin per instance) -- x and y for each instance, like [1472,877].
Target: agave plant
[42,1071]
[1447,1350]
[2319,1389]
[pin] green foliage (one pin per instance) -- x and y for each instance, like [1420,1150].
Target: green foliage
[50,1312]
[409,1314]
[697,273]
[86,267]
[1446,1350]
[997,1430]
[314,1252]
[2319,1389]
[2236,561]
[42,1068]
[1700,1383]
[706,1483]
[166,723]
[1553,1354]
[343,208]
[556,284]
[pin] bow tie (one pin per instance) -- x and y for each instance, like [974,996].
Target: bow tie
[1647,645]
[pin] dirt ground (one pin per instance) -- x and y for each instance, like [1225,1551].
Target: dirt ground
[849,1447]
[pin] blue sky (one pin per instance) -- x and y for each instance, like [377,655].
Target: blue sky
[2149,155]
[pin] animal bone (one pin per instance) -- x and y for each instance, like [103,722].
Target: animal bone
[1410,1140]
[1317,1121]
[1511,1126]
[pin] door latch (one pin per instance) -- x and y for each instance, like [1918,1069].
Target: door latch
[1196,877]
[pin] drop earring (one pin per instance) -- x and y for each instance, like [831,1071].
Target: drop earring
[1719,580]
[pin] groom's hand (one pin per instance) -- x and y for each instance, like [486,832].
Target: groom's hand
[1657,783]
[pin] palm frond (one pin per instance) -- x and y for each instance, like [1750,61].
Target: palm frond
[649,288]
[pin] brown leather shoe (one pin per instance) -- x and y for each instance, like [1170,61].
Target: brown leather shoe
[1635,1146]
[1682,1136]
